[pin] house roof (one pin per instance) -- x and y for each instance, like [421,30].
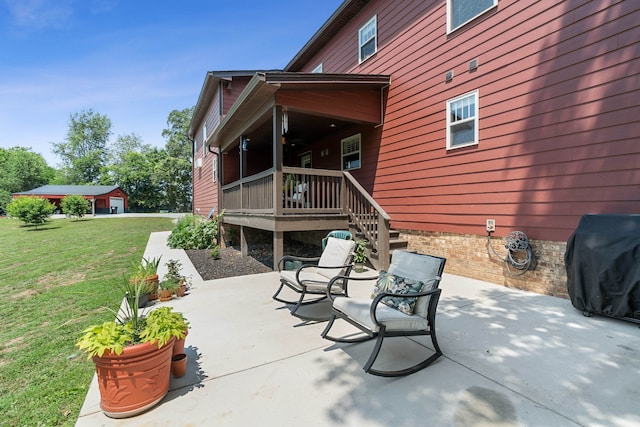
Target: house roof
[63,190]
[208,91]
[336,22]
[258,97]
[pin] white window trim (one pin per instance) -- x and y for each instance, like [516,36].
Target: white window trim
[357,137]
[361,42]
[450,16]
[214,168]
[318,68]
[476,120]
[204,140]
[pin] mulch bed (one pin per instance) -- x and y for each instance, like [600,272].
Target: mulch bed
[231,263]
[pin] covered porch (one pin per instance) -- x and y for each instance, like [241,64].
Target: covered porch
[291,151]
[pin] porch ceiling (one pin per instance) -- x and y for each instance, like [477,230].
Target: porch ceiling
[313,102]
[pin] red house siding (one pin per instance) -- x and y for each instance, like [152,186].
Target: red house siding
[558,106]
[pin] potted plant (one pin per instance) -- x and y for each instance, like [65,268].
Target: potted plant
[132,354]
[360,256]
[167,288]
[173,273]
[147,271]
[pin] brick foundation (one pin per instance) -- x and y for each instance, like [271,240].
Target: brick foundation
[469,256]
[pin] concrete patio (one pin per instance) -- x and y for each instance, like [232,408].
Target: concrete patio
[511,358]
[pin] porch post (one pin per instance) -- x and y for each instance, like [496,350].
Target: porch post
[278,247]
[244,248]
[277,162]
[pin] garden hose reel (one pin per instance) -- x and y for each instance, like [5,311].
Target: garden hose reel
[519,253]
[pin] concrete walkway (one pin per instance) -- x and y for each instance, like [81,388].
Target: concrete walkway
[511,358]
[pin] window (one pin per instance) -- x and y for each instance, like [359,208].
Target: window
[204,140]
[462,121]
[459,12]
[368,40]
[351,152]
[214,168]
[318,69]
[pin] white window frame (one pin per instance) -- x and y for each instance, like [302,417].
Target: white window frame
[349,140]
[364,37]
[214,168]
[204,140]
[459,103]
[318,68]
[451,28]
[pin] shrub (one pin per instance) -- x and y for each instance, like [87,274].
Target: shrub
[194,233]
[74,205]
[31,210]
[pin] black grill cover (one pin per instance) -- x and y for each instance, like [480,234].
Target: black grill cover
[603,265]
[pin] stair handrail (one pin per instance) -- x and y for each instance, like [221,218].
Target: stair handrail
[369,217]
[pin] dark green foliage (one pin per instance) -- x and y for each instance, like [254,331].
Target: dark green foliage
[31,210]
[84,150]
[194,233]
[74,205]
[21,170]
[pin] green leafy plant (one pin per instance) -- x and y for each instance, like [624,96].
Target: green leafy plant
[130,328]
[151,266]
[173,270]
[146,269]
[215,252]
[31,210]
[192,232]
[74,205]
[169,285]
[162,324]
[360,252]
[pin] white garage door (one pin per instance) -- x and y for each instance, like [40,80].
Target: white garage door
[117,202]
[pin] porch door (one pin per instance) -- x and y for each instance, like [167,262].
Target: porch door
[305,160]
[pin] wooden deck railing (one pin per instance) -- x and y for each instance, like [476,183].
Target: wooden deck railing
[301,191]
[368,217]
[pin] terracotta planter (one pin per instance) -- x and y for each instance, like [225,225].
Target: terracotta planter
[134,381]
[178,346]
[179,365]
[182,289]
[164,294]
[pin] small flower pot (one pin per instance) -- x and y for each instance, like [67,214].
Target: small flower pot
[179,365]
[178,346]
[182,289]
[165,294]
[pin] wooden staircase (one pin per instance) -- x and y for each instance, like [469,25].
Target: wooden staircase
[368,221]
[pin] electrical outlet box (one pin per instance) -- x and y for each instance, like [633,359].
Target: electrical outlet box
[491,225]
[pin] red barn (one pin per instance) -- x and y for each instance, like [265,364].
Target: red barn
[103,199]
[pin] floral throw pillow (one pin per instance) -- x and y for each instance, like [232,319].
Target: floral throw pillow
[388,282]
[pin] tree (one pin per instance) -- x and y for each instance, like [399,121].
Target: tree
[132,167]
[84,151]
[21,170]
[74,205]
[31,210]
[174,168]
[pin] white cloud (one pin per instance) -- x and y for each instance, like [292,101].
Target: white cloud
[40,14]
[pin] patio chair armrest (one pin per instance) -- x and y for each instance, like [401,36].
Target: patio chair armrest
[304,260]
[379,297]
[346,281]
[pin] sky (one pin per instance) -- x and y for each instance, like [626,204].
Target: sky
[132,60]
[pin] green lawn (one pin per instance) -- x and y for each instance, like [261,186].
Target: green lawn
[55,281]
